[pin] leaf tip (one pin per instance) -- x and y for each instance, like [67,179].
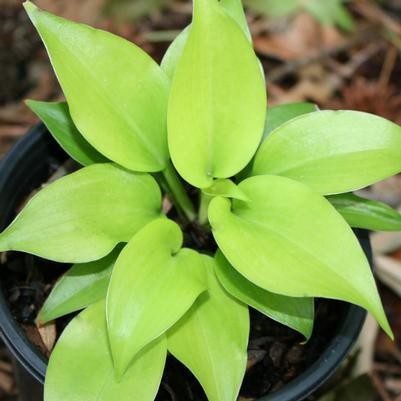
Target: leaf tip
[30,8]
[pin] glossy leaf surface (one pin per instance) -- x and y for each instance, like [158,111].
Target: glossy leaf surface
[216,123]
[332,151]
[366,213]
[291,241]
[212,339]
[297,313]
[83,285]
[81,366]
[58,121]
[225,187]
[81,217]
[116,93]
[153,284]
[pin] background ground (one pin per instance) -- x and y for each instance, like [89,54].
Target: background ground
[336,55]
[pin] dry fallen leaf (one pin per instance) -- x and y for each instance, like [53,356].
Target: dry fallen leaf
[48,334]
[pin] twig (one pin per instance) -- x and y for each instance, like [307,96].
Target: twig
[380,387]
[280,72]
[387,368]
[388,67]
[360,58]
[375,14]
[160,36]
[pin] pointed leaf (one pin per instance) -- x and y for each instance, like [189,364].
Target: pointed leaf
[297,313]
[58,121]
[83,285]
[224,107]
[173,54]
[81,367]
[291,241]
[235,10]
[116,93]
[332,151]
[81,217]
[225,187]
[366,213]
[153,284]
[212,339]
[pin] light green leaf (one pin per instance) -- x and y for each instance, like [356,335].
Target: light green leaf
[280,114]
[276,116]
[235,10]
[173,54]
[365,213]
[216,123]
[116,93]
[297,313]
[212,339]
[225,187]
[57,119]
[330,13]
[332,151]
[274,8]
[83,285]
[83,216]
[81,367]
[290,240]
[153,284]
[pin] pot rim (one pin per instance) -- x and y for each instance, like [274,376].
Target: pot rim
[35,363]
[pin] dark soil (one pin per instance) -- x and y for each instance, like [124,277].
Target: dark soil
[276,353]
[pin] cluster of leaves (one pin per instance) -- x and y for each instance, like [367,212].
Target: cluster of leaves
[329,12]
[273,189]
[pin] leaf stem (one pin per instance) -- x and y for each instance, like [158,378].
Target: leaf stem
[203,208]
[177,191]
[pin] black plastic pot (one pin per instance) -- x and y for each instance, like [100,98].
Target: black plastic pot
[28,164]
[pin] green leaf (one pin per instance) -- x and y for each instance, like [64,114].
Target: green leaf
[365,213]
[274,8]
[225,187]
[330,13]
[235,10]
[332,151]
[289,240]
[297,313]
[58,121]
[116,93]
[280,114]
[212,339]
[216,123]
[173,54]
[153,284]
[81,367]
[83,285]
[276,116]
[83,216]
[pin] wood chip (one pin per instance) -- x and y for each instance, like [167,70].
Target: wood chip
[389,272]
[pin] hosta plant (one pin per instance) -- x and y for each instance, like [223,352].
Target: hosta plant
[274,191]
